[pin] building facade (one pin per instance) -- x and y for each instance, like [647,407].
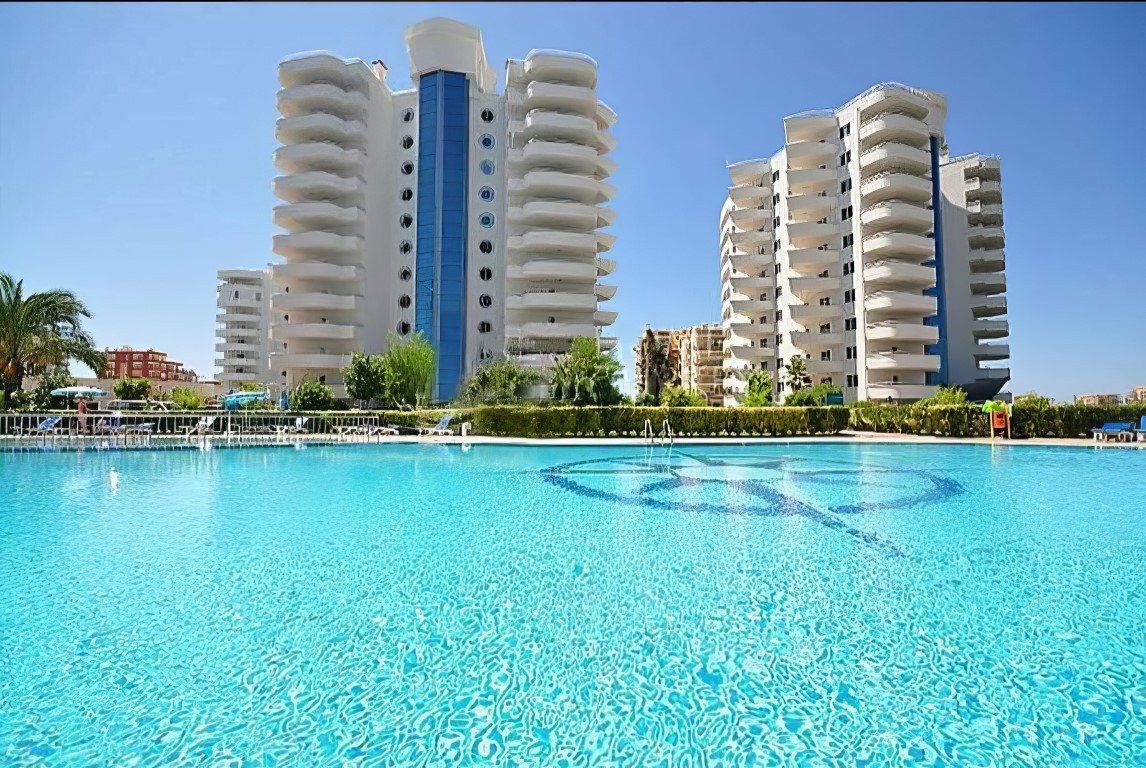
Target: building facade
[126,362]
[447,209]
[242,350]
[694,356]
[864,249]
[1136,395]
[1098,399]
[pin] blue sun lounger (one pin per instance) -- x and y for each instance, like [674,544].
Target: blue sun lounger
[1116,429]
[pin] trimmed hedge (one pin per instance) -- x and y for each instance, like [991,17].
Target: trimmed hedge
[969,420]
[629,421]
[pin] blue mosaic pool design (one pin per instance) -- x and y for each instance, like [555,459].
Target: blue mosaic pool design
[811,604]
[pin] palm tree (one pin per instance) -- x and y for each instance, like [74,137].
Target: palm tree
[798,377]
[40,331]
[585,376]
[655,369]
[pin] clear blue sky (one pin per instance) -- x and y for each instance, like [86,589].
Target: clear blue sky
[136,141]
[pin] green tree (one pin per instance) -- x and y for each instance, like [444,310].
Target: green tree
[586,375]
[312,396]
[365,378]
[1033,400]
[251,386]
[41,398]
[645,399]
[679,397]
[653,361]
[40,331]
[187,398]
[798,377]
[132,389]
[503,382]
[409,369]
[759,390]
[817,395]
[945,396]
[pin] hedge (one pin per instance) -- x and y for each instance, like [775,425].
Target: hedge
[1065,420]
[629,421]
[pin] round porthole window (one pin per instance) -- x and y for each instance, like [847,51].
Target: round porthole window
[486,167]
[485,300]
[487,115]
[405,274]
[404,301]
[407,142]
[403,328]
[484,327]
[485,273]
[486,220]
[486,193]
[486,140]
[407,115]
[485,246]
[407,168]
[406,246]
[407,194]
[406,220]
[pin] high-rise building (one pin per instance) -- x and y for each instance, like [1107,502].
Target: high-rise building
[863,249]
[693,359]
[243,298]
[446,209]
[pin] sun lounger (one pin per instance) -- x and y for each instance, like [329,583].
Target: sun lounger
[109,425]
[1116,429]
[297,428]
[1140,430]
[146,428]
[441,428]
[401,429]
[45,427]
[201,427]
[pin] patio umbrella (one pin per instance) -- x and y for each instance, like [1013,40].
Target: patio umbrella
[78,392]
[284,401]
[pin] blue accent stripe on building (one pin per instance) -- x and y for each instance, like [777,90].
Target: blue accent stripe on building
[443,180]
[940,377]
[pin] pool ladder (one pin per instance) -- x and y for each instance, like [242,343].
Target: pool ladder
[665,437]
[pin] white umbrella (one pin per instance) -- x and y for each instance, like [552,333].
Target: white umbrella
[78,392]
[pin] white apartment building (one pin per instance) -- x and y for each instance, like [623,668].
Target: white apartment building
[447,208]
[243,299]
[834,250]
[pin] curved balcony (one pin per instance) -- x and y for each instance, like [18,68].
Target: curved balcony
[809,233]
[297,217]
[749,218]
[238,333]
[227,375]
[992,351]
[562,330]
[890,274]
[559,156]
[554,269]
[990,329]
[237,346]
[236,315]
[236,359]
[314,300]
[810,203]
[544,125]
[804,155]
[753,330]
[749,195]
[324,362]
[317,270]
[332,331]
[749,262]
[815,312]
[750,171]
[605,266]
[893,156]
[896,391]
[750,240]
[988,283]
[602,318]
[987,260]
[751,353]
[551,300]
[811,180]
[313,185]
[815,339]
[903,245]
[902,331]
[824,367]
[892,185]
[813,257]
[321,97]
[896,214]
[902,361]
[572,243]
[306,245]
[750,283]
[811,285]
[988,306]
[890,303]
[986,237]
[560,66]
[747,306]
[894,127]
[319,126]
[990,214]
[318,156]
[305,68]
[245,299]
[604,292]
[559,96]
[543,213]
[556,184]
[810,126]
[993,374]
[984,190]
[899,98]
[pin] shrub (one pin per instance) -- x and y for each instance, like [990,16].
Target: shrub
[645,400]
[817,395]
[365,378]
[503,382]
[586,375]
[948,420]
[1068,419]
[312,396]
[679,397]
[945,396]
[758,392]
[1033,400]
[187,398]
[132,389]
[409,369]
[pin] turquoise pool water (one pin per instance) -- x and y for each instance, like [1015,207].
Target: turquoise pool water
[821,604]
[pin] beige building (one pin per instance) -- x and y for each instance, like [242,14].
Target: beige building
[695,359]
[1137,395]
[1098,399]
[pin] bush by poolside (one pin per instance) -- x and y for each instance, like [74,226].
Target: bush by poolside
[1065,420]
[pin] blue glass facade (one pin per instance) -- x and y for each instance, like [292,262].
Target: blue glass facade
[937,378]
[440,267]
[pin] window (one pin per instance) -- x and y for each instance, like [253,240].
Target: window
[405,274]
[484,327]
[764,365]
[407,115]
[407,194]
[486,193]
[779,291]
[845,213]
[826,301]
[825,328]
[853,380]
[826,354]
[777,346]
[486,220]
[779,317]
[848,240]
[485,246]
[845,186]
[776,222]
[403,328]
[775,199]
[848,353]
[404,301]
[850,324]
[405,247]
[485,300]
[486,167]
[823,274]
[846,158]
[487,115]
[406,220]
[486,140]
[485,354]
[407,142]
[485,273]
[779,386]
[407,168]
[849,296]
[775,175]
[846,130]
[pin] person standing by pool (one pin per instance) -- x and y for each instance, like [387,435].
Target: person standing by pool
[82,408]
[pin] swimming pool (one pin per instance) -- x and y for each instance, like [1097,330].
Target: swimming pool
[894,604]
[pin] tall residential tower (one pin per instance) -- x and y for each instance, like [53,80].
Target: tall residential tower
[446,209]
[243,297]
[863,249]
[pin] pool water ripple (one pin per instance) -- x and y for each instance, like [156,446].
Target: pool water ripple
[428,605]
